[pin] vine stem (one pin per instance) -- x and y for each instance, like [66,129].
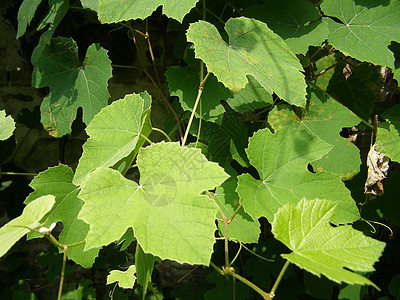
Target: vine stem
[201,87]
[60,288]
[278,280]
[162,132]
[176,117]
[18,173]
[263,293]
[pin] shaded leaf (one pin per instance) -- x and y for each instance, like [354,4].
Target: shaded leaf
[26,12]
[355,91]
[281,160]
[30,217]
[58,182]
[169,216]
[72,84]
[297,22]
[242,227]
[184,82]
[114,134]
[325,118]
[144,263]
[388,139]
[251,97]
[253,49]
[366,29]
[322,249]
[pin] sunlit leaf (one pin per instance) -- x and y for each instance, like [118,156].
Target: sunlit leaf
[388,139]
[114,134]
[322,249]
[169,216]
[30,218]
[58,182]
[281,160]
[125,279]
[113,11]
[252,50]
[7,126]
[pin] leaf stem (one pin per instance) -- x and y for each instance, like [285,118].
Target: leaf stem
[162,132]
[60,288]
[146,138]
[176,117]
[201,87]
[264,294]
[18,173]
[225,220]
[278,280]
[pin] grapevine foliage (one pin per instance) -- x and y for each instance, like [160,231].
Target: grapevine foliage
[258,98]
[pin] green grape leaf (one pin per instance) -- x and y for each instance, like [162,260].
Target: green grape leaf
[7,126]
[223,288]
[125,279]
[281,160]
[57,10]
[242,227]
[72,84]
[114,133]
[184,82]
[251,97]
[58,182]
[91,4]
[322,249]
[169,216]
[325,118]
[226,141]
[114,11]
[295,21]
[26,12]
[355,90]
[253,49]
[365,31]
[388,139]
[144,263]
[325,71]
[30,217]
